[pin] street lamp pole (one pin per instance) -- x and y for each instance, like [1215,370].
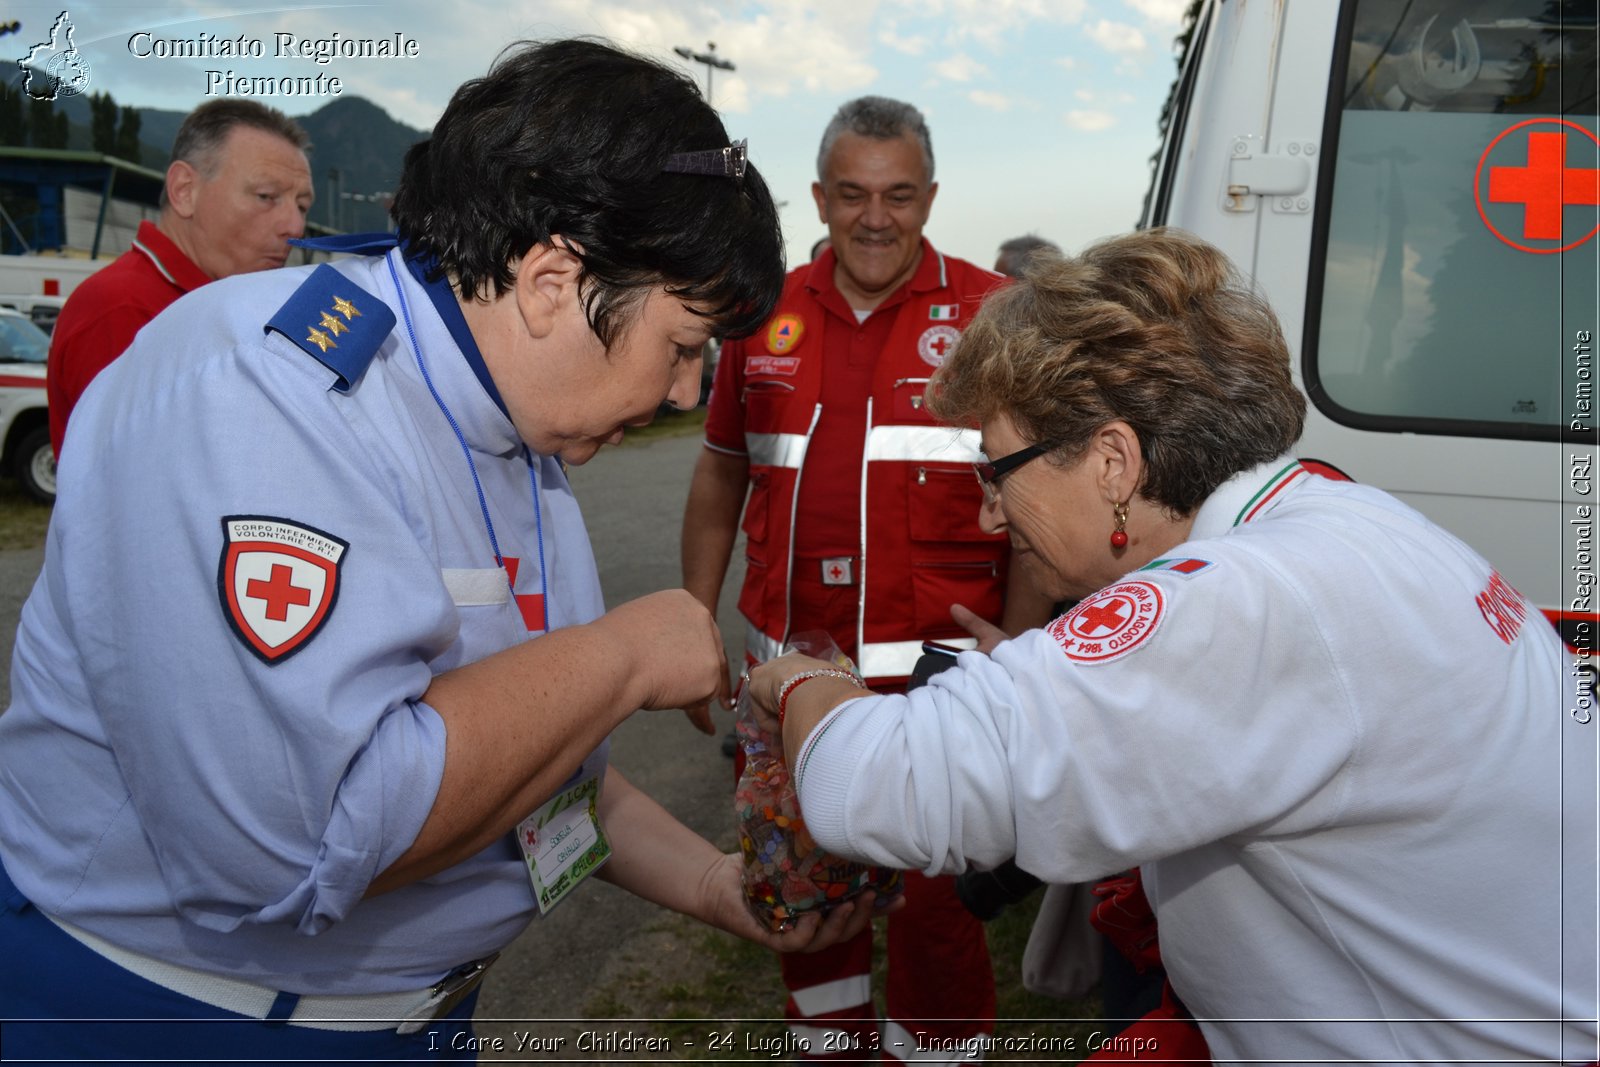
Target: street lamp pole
[710,58]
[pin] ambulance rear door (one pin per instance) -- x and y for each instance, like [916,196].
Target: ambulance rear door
[1413,184]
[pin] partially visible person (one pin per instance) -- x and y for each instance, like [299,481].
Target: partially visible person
[861,522]
[237,191]
[1340,748]
[1017,252]
[310,704]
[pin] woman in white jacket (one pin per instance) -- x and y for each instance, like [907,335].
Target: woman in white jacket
[1331,736]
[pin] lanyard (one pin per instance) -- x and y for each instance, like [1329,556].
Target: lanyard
[472,466]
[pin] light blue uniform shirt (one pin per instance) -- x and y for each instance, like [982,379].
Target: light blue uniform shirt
[165,786]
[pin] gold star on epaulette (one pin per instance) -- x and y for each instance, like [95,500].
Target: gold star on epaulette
[333,325]
[322,340]
[345,308]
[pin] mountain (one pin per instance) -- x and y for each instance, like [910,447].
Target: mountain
[357,139]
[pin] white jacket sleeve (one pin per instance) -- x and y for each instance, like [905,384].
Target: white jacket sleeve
[1216,722]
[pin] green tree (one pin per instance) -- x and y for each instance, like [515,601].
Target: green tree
[128,136]
[61,131]
[41,122]
[102,122]
[13,123]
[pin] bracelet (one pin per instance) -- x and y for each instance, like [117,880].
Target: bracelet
[805,676]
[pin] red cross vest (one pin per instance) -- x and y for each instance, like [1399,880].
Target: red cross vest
[920,547]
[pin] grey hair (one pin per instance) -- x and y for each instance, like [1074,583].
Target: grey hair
[1015,253]
[877,117]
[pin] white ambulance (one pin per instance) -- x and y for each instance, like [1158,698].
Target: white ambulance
[1414,186]
[25,451]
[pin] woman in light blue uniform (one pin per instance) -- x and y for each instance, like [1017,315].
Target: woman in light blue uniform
[310,702]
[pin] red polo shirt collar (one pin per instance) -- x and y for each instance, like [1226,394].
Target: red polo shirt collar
[929,275]
[168,259]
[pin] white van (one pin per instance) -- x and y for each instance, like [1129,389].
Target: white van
[1413,184]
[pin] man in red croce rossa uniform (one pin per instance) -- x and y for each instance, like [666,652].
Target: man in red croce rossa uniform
[861,521]
[237,190]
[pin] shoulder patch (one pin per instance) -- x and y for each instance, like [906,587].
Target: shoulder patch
[335,320]
[278,581]
[1111,623]
[784,333]
[1185,568]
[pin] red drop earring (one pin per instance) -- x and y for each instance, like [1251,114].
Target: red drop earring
[1119,537]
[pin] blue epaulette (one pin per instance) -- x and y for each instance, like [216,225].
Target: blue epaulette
[337,321]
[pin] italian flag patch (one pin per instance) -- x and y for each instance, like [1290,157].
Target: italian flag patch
[944,312]
[1185,567]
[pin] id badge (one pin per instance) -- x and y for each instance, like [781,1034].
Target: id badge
[563,842]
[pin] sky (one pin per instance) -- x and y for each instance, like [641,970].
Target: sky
[1043,112]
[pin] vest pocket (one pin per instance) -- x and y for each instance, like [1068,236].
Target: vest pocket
[757,507]
[754,594]
[907,404]
[936,585]
[943,503]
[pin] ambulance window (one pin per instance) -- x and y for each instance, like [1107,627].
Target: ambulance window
[1456,289]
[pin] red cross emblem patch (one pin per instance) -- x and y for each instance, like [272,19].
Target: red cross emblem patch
[1111,623]
[936,344]
[1532,187]
[278,581]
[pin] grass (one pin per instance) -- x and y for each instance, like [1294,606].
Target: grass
[671,424]
[724,986]
[23,521]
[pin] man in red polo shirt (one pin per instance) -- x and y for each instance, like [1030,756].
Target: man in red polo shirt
[237,190]
[862,521]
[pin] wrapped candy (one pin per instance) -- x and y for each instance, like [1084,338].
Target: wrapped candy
[786,874]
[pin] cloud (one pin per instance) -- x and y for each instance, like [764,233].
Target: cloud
[889,37]
[960,68]
[1090,121]
[1116,37]
[1160,14]
[990,22]
[781,49]
[1066,63]
[1114,96]
[990,100]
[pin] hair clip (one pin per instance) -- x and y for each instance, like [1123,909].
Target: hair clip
[723,162]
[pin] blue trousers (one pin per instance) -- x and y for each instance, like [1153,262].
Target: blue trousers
[63,1002]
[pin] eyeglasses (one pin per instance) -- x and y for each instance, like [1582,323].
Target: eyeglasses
[990,473]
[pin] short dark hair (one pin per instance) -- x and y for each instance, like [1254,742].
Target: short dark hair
[569,138]
[207,126]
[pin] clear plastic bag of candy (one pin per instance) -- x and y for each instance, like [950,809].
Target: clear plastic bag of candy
[786,874]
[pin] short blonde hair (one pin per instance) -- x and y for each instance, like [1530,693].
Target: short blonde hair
[1155,328]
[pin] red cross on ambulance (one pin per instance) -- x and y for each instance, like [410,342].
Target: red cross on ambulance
[1534,168]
